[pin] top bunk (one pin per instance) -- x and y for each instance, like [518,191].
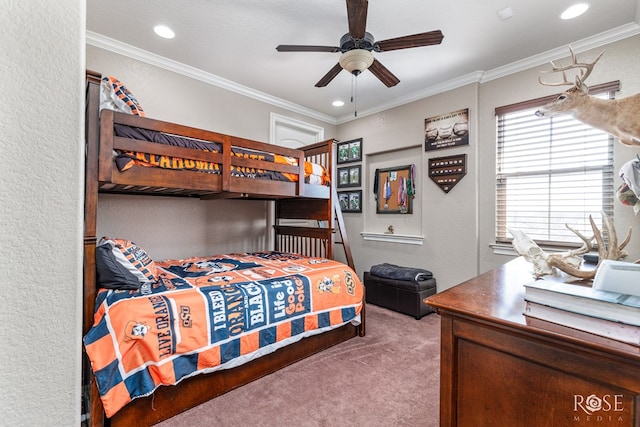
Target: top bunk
[133,154]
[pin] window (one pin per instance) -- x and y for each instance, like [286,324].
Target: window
[551,172]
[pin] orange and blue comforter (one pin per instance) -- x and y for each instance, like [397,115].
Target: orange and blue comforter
[211,313]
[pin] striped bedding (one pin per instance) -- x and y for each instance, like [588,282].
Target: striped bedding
[314,173]
[210,313]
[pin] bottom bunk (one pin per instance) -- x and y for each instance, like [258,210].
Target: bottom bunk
[167,402]
[199,327]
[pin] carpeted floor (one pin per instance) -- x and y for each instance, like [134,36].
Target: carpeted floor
[388,378]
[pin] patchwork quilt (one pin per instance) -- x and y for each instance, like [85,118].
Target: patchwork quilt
[210,313]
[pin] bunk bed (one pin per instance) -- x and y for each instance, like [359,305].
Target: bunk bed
[220,167]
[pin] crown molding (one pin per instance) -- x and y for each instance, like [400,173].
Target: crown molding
[604,38]
[115,46]
[416,96]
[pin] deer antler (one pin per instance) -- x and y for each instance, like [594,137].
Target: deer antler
[611,250]
[579,80]
[586,243]
[569,261]
[544,263]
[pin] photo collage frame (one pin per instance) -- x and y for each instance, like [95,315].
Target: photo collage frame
[350,175]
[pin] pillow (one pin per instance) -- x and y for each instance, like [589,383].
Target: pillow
[129,256]
[316,173]
[115,96]
[111,274]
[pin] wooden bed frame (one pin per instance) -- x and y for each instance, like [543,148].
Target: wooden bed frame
[294,200]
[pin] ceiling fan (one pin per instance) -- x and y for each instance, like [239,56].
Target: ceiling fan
[357,46]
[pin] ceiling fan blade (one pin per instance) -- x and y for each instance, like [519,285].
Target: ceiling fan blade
[329,76]
[415,40]
[300,48]
[357,16]
[383,74]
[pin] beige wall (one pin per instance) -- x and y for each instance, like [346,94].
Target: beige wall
[183,227]
[458,227]
[41,138]
[446,221]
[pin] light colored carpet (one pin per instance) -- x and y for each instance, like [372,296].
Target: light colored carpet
[388,378]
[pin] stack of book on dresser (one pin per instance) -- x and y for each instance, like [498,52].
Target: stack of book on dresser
[591,309]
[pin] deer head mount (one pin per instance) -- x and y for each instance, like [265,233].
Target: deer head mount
[570,261]
[619,117]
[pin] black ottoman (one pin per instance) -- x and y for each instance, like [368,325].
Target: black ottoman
[403,296]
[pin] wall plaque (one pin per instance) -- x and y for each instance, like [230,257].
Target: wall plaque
[446,172]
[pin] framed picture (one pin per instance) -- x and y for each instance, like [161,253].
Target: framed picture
[349,176]
[447,130]
[350,201]
[393,194]
[349,151]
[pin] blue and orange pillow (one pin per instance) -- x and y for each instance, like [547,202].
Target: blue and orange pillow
[121,264]
[115,96]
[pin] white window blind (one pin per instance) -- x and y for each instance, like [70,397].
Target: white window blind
[551,172]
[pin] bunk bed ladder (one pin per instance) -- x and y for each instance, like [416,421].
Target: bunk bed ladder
[344,239]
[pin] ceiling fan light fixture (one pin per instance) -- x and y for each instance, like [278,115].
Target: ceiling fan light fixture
[356,61]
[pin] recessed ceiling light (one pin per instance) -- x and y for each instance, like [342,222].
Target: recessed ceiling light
[337,103]
[574,11]
[164,31]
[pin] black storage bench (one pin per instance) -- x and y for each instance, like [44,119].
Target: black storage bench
[401,289]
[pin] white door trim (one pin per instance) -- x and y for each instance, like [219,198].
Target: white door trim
[278,120]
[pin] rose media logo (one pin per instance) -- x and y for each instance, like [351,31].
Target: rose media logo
[605,408]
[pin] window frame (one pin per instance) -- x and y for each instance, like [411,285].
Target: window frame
[501,233]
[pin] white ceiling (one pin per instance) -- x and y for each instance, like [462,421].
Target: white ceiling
[232,43]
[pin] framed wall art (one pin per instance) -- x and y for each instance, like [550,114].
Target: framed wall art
[349,176]
[350,201]
[393,192]
[349,151]
[447,130]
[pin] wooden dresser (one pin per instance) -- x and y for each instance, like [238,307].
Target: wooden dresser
[498,370]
